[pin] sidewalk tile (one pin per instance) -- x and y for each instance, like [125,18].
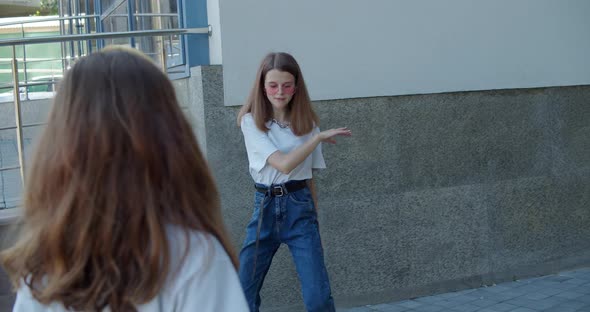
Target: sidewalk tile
[572,304]
[558,278]
[410,304]
[484,302]
[585,299]
[502,307]
[389,308]
[522,302]
[359,309]
[564,292]
[524,310]
[498,289]
[466,308]
[461,299]
[429,308]
[536,296]
[448,304]
[570,295]
[429,299]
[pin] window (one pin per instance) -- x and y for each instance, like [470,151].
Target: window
[126,15]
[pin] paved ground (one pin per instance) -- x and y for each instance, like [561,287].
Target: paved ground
[564,292]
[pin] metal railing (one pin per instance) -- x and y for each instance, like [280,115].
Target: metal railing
[59,23]
[16,85]
[50,19]
[110,35]
[97,23]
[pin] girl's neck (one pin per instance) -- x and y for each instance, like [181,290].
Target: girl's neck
[281,116]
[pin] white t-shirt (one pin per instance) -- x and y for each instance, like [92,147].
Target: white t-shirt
[205,281]
[260,145]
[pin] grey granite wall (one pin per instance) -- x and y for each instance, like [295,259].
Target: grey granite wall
[7,234]
[432,193]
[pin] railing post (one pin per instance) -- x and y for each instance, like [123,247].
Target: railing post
[163,56]
[22,27]
[17,114]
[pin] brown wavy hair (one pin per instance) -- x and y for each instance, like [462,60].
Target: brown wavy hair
[117,164]
[300,110]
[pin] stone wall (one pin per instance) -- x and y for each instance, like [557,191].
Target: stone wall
[432,193]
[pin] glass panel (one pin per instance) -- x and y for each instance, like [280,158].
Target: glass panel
[157,6]
[148,15]
[142,6]
[117,22]
[105,4]
[155,14]
[82,6]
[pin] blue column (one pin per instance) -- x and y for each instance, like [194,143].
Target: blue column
[87,25]
[194,14]
[131,20]
[98,11]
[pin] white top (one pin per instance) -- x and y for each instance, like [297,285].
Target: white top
[205,281]
[260,145]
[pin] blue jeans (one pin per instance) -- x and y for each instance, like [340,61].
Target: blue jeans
[289,219]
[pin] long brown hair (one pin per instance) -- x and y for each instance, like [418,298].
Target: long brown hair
[300,111]
[116,165]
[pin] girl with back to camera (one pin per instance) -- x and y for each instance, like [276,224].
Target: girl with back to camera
[283,144]
[120,210]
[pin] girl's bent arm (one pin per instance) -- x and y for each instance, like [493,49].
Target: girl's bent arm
[285,163]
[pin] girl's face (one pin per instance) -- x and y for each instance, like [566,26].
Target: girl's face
[279,87]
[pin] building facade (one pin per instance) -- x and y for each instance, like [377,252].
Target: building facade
[469,161]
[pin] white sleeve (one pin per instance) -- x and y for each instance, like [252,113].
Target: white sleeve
[258,144]
[216,289]
[25,301]
[317,156]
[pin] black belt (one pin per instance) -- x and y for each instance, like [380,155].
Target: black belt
[279,190]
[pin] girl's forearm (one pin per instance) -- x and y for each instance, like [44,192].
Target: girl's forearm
[285,163]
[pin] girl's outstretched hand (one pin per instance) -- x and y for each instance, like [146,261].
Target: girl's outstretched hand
[328,136]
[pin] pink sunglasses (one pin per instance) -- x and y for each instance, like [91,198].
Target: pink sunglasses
[274,89]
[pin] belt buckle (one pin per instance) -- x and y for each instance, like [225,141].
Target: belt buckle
[274,190]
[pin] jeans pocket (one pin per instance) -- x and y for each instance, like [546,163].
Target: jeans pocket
[302,197]
[258,199]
